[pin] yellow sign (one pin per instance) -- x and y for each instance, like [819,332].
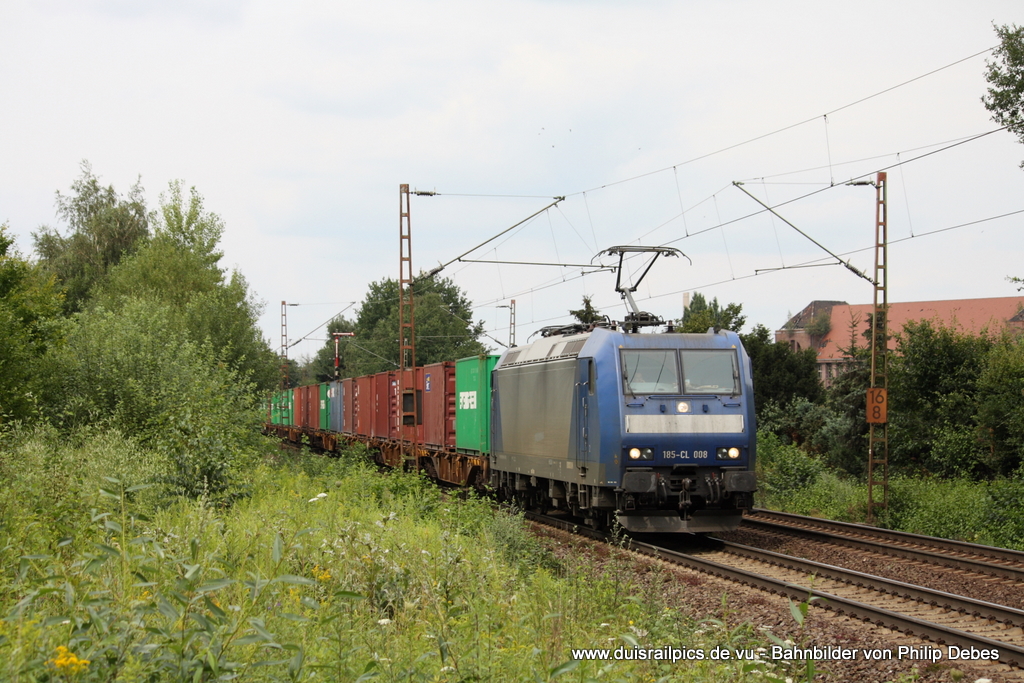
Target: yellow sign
[878,405]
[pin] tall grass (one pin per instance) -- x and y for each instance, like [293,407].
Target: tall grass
[328,570]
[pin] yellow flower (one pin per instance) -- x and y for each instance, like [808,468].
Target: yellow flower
[67,662]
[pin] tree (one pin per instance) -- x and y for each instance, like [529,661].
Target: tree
[29,305]
[1005,75]
[103,228]
[178,267]
[588,314]
[135,370]
[780,374]
[702,316]
[1001,403]
[933,393]
[444,330]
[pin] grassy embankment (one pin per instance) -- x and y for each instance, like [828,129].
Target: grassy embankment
[325,570]
[988,512]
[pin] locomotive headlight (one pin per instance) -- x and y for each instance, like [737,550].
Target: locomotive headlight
[728,453]
[682,407]
[641,454]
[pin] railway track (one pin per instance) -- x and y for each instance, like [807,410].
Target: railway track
[970,557]
[943,618]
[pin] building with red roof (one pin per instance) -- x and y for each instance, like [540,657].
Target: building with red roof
[830,327]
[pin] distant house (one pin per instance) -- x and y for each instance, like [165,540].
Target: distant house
[828,326]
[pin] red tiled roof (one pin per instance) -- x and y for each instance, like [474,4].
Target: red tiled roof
[969,315]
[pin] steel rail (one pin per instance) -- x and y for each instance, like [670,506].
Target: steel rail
[996,567]
[978,549]
[935,598]
[1009,653]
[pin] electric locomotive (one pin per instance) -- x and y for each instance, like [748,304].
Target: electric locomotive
[654,431]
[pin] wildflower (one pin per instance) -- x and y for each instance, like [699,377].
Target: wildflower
[321,574]
[383,622]
[67,662]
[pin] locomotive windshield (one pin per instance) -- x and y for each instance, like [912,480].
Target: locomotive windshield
[704,371]
[650,372]
[710,371]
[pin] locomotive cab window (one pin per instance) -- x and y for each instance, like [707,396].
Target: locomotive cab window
[650,372]
[710,371]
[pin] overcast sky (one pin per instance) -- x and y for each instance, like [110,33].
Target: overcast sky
[298,122]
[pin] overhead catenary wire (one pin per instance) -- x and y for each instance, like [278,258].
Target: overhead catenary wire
[784,128]
[806,264]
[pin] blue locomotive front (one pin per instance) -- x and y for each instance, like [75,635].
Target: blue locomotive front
[654,431]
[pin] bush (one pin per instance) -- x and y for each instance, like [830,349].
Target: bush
[136,372]
[783,468]
[947,508]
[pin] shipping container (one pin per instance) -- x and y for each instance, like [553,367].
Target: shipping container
[287,407]
[363,405]
[473,403]
[325,406]
[312,407]
[437,407]
[348,388]
[298,406]
[385,387]
[336,402]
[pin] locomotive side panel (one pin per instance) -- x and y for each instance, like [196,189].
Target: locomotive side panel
[533,418]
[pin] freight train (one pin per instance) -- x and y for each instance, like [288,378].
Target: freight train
[654,431]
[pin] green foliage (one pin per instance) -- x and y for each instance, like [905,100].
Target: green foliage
[1005,75]
[137,371]
[933,381]
[29,305]
[947,508]
[178,268]
[783,469]
[338,573]
[444,330]
[103,228]
[780,374]
[588,314]
[702,316]
[820,325]
[1001,403]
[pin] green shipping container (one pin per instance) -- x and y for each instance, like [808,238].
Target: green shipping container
[473,403]
[285,398]
[325,407]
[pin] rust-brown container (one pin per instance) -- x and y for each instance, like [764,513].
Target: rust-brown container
[384,390]
[312,406]
[299,403]
[363,401]
[438,404]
